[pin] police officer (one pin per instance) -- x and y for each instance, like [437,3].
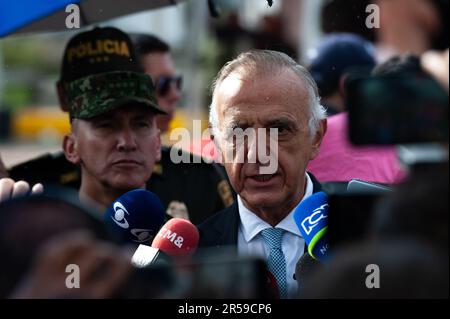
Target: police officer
[200,187]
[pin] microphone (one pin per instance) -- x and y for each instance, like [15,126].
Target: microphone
[177,238]
[135,217]
[311,217]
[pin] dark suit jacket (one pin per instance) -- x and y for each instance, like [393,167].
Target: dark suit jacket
[221,229]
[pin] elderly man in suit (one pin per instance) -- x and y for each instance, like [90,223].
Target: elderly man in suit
[270,91]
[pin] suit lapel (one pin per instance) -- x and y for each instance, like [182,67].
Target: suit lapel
[227,226]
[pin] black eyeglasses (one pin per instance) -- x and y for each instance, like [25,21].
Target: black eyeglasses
[164,83]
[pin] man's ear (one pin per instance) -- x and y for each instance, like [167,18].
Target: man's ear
[318,138]
[70,149]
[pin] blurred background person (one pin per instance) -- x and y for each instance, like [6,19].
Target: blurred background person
[336,56]
[412,26]
[28,222]
[102,267]
[157,62]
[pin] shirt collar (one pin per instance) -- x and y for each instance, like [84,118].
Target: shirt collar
[251,225]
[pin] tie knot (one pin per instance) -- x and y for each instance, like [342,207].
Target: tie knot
[273,237]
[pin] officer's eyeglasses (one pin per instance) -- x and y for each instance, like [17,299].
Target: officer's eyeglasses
[164,84]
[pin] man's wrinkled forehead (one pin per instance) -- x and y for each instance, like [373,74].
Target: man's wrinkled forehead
[230,87]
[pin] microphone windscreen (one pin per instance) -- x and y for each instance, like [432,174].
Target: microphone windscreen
[135,217]
[178,237]
[311,218]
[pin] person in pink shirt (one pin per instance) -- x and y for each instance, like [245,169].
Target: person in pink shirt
[340,161]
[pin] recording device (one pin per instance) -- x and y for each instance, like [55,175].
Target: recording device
[135,217]
[311,217]
[387,110]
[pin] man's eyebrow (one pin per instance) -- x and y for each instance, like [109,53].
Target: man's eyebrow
[100,118]
[286,122]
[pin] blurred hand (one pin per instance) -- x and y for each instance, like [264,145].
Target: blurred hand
[177,209]
[103,269]
[11,189]
[436,64]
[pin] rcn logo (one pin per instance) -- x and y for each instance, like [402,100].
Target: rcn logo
[119,215]
[142,235]
[313,220]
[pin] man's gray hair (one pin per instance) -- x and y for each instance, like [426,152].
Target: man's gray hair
[263,63]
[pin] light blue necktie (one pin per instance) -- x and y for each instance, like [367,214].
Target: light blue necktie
[276,261]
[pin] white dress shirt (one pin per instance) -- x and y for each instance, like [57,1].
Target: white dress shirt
[250,241]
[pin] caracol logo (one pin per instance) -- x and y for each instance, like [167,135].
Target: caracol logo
[119,215]
[172,236]
[312,220]
[142,235]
